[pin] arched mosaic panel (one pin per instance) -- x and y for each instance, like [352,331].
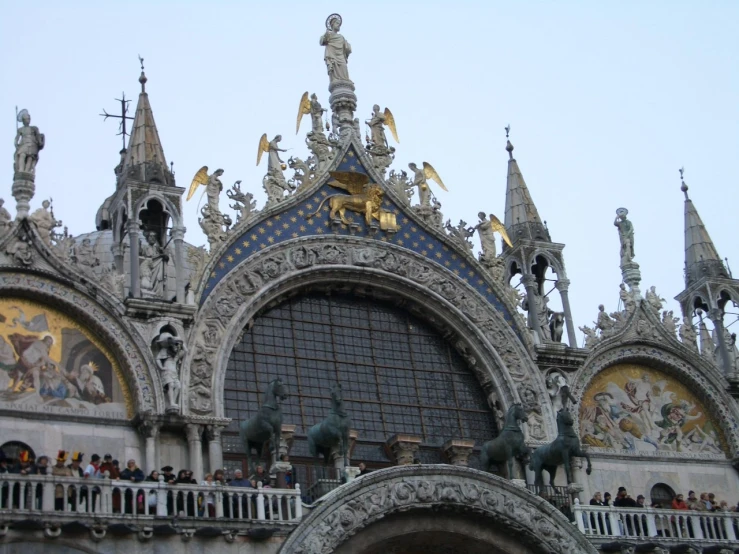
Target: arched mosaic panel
[635,408]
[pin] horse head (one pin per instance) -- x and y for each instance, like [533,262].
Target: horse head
[337,400]
[518,413]
[278,389]
[565,421]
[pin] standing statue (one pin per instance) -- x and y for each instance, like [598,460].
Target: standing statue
[5,217]
[313,107]
[337,50]
[509,444]
[654,301]
[538,307]
[274,182]
[487,229]
[28,143]
[626,234]
[420,177]
[266,425]
[626,299]
[559,391]
[169,360]
[332,432]
[687,334]
[213,187]
[44,220]
[670,322]
[153,260]
[377,123]
[559,452]
[604,321]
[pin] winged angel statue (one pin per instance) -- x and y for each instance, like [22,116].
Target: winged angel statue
[487,228]
[376,122]
[313,107]
[363,198]
[274,182]
[420,180]
[214,223]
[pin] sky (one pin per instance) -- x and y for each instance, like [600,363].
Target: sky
[606,101]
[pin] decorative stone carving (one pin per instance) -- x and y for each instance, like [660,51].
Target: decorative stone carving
[153,263]
[559,390]
[403,448]
[214,225]
[460,234]
[401,185]
[113,280]
[28,143]
[21,251]
[604,321]
[627,299]
[670,322]
[654,301]
[274,182]
[458,451]
[198,258]
[688,335]
[6,219]
[43,219]
[83,255]
[625,235]
[540,306]
[591,339]
[382,493]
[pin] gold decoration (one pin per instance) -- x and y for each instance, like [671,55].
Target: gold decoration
[390,123]
[303,109]
[497,226]
[263,147]
[387,221]
[636,408]
[201,178]
[430,173]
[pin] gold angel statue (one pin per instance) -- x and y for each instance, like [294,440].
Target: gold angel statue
[420,181]
[376,123]
[313,107]
[487,228]
[363,198]
[213,186]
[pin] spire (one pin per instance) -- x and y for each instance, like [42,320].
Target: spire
[701,257]
[521,217]
[144,159]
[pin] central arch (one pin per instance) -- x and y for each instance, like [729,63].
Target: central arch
[483,337]
[464,509]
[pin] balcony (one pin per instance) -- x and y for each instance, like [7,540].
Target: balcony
[667,528]
[56,504]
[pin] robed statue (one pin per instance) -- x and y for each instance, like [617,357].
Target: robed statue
[337,50]
[625,234]
[28,143]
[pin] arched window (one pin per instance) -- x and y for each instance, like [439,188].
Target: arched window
[662,494]
[398,375]
[12,451]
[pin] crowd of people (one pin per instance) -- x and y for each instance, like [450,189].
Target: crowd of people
[109,468]
[707,502]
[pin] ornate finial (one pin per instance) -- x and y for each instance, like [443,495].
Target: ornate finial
[509,149]
[507,130]
[142,77]
[683,187]
[171,168]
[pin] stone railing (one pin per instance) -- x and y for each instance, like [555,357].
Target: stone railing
[68,497]
[608,522]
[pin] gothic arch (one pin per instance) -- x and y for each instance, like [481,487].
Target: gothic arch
[170,209]
[480,333]
[125,346]
[351,512]
[704,382]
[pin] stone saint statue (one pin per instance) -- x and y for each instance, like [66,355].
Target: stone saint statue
[5,217]
[487,236]
[213,190]
[376,124]
[316,114]
[337,50]
[169,357]
[28,143]
[626,234]
[44,220]
[153,259]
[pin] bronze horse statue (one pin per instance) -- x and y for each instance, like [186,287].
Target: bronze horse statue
[266,425]
[556,453]
[332,432]
[509,444]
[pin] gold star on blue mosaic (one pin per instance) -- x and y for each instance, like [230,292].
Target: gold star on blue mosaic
[285,225]
[253,237]
[309,206]
[245,244]
[270,240]
[238,251]
[222,265]
[277,232]
[269,223]
[278,217]
[230,259]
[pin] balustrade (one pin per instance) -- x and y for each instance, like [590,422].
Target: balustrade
[103,497]
[684,525]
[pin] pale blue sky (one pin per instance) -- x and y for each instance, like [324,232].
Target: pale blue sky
[606,101]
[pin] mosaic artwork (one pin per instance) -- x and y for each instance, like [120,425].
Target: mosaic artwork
[49,364]
[638,409]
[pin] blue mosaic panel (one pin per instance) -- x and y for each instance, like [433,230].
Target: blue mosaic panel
[294,223]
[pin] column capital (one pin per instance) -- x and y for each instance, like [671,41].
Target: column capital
[716,315]
[458,451]
[563,285]
[528,280]
[193,431]
[213,432]
[403,448]
[178,233]
[149,429]
[133,227]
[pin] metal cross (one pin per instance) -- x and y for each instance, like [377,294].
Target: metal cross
[123,117]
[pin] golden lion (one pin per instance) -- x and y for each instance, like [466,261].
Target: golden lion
[367,203]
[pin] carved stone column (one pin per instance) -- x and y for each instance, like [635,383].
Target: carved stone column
[195,448]
[529,281]
[458,451]
[563,286]
[117,251]
[215,447]
[133,237]
[150,431]
[716,316]
[343,105]
[403,448]
[632,276]
[286,440]
[24,187]
[178,236]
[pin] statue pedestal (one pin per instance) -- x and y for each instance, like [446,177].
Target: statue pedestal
[24,187]
[458,451]
[632,277]
[351,473]
[403,448]
[575,488]
[519,482]
[343,104]
[279,470]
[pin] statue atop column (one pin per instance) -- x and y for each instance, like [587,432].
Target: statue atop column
[28,143]
[629,268]
[274,182]
[337,50]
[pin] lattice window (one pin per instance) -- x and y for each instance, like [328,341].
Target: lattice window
[397,374]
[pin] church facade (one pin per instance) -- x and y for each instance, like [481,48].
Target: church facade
[344,323]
